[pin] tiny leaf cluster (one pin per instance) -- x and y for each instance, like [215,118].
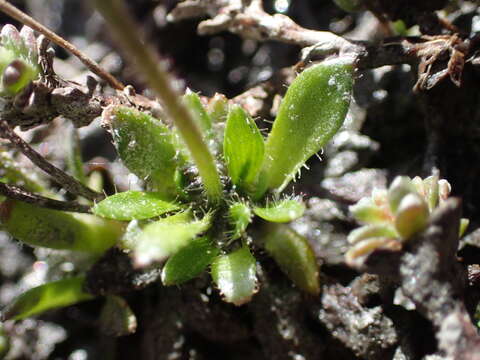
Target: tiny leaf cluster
[18,59]
[392,217]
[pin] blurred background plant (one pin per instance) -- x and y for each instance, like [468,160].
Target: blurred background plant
[392,217]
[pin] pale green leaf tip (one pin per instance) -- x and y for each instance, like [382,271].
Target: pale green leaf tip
[134,205]
[281,211]
[235,276]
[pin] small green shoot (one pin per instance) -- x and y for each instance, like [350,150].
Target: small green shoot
[394,216]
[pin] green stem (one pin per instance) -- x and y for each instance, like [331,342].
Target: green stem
[152,69]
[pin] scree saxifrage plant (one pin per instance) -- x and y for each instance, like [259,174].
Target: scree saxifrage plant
[205,182]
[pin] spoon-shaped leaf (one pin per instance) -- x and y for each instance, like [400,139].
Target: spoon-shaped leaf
[400,187]
[165,237]
[372,231]
[295,257]
[235,276]
[243,148]
[282,211]
[45,297]
[412,215]
[130,205]
[311,112]
[58,230]
[146,147]
[189,261]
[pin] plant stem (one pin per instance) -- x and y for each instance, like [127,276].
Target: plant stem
[153,71]
[68,182]
[16,193]
[20,16]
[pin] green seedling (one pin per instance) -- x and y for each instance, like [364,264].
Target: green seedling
[312,111]
[205,181]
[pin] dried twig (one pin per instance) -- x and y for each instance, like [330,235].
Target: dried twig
[68,182]
[247,19]
[19,15]
[16,193]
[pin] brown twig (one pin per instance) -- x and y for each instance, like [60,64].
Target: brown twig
[16,193]
[62,178]
[247,19]
[20,16]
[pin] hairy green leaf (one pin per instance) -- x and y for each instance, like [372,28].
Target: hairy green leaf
[165,237]
[74,155]
[18,59]
[146,147]
[218,108]
[281,211]
[243,148]
[235,276]
[311,112]
[130,205]
[294,256]
[412,215]
[239,216]
[189,261]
